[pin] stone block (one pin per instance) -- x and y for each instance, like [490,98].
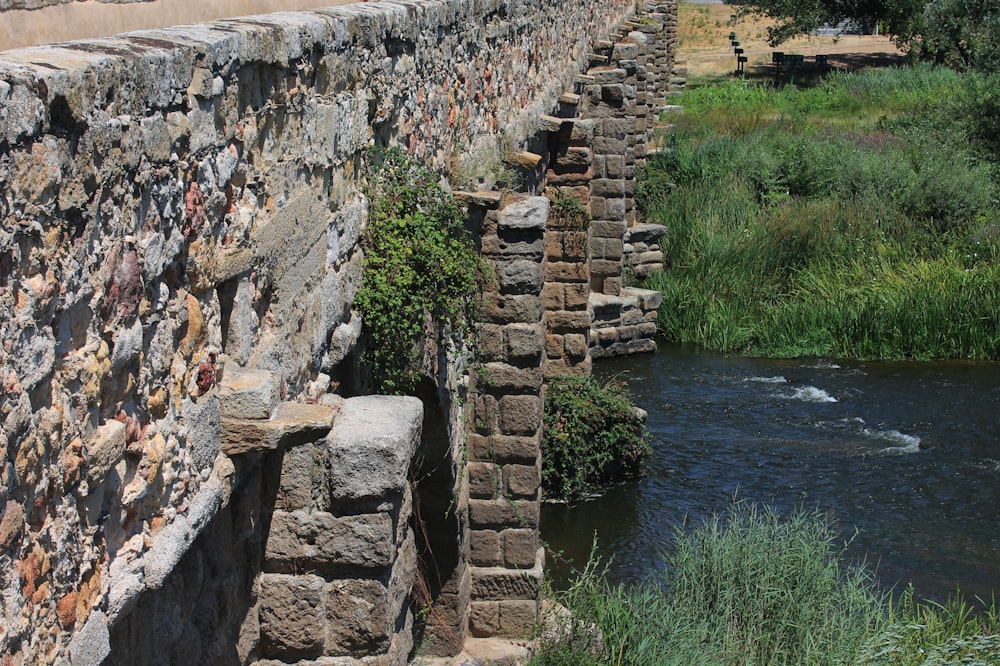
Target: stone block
[518,618]
[553,246]
[291,423]
[607,75]
[576,295]
[296,488]
[575,245]
[292,615]
[370,450]
[521,480]
[605,267]
[505,448]
[641,346]
[553,345]
[575,345]
[646,330]
[608,228]
[608,187]
[248,394]
[609,146]
[520,414]
[577,320]
[501,584]
[520,547]
[613,285]
[503,378]
[500,513]
[524,341]
[576,159]
[530,213]
[647,299]
[484,414]
[614,93]
[598,208]
[491,344]
[484,480]
[583,132]
[358,620]
[616,209]
[513,308]
[520,277]
[552,296]
[484,548]
[566,271]
[322,542]
[484,618]
[615,165]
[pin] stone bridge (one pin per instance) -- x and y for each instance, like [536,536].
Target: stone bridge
[191,468]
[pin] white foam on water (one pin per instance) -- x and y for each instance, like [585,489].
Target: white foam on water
[824,365]
[904,443]
[767,380]
[810,394]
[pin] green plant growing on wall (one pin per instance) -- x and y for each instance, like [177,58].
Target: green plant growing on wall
[567,212]
[420,268]
[592,437]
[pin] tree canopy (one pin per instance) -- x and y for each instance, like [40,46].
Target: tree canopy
[964,34]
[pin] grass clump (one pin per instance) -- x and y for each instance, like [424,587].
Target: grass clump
[845,220]
[753,587]
[422,274]
[592,437]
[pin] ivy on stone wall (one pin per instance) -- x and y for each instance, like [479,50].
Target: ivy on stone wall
[421,269]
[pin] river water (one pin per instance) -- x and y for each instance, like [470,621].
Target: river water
[905,455]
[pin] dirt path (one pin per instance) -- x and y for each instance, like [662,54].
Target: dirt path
[704,42]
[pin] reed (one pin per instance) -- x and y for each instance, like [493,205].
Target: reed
[753,587]
[797,236]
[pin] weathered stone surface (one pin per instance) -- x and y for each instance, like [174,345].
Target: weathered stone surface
[500,584]
[357,618]
[292,614]
[520,277]
[319,541]
[371,447]
[249,394]
[290,423]
[528,214]
[520,548]
[105,450]
[520,414]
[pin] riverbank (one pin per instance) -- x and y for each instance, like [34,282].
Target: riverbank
[856,219]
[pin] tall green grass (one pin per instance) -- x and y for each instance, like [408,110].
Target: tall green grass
[852,219]
[753,587]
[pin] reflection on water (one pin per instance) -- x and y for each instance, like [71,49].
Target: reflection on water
[906,453]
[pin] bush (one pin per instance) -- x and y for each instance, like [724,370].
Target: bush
[420,268]
[592,437]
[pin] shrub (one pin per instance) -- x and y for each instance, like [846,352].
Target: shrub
[592,437]
[420,269]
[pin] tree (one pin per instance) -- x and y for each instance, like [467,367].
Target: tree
[900,18]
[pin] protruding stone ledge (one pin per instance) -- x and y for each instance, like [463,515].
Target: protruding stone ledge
[291,423]
[484,199]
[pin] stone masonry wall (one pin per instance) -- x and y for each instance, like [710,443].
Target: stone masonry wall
[176,202]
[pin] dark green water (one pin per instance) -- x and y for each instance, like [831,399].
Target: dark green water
[906,453]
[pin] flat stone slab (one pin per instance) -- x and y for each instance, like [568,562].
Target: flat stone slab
[291,423]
